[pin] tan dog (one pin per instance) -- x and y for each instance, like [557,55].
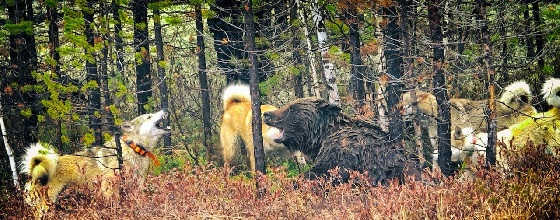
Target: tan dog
[513,107]
[236,122]
[544,127]
[48,169]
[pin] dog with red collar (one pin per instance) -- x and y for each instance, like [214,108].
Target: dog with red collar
[49,170]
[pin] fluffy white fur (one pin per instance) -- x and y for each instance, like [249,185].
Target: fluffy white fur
[236,91]
[477,143]
[36,151]
[515,89]
[549,90]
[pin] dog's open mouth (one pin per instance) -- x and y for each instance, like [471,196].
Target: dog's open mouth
[277,135]
[160,124]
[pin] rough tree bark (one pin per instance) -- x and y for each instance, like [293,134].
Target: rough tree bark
[393,59]
[528,36]
[328,67]
[141,43]
[21,130]
[357,71]
[407,8]
[94,95]
[118,39]
[504,77]
[162,79]
[203,81]
[440,89]
[538,36]
[378,100]
[104,76]
[310,54]
[488,65]
[54,43]
[298,78]
[255,96]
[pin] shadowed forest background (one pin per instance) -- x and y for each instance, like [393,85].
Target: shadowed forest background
[72,71]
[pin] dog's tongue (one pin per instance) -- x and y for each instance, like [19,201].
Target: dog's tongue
[275,133]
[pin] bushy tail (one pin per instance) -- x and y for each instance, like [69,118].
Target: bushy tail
[549,92]
[518,90]
[235,93]
[39,162]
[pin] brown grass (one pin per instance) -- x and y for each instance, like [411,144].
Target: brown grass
[530,190]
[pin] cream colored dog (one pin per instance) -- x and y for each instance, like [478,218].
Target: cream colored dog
[513,106]
[236,122]
[48,169]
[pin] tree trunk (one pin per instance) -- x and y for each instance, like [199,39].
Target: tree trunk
[104,76]
[328,67]
[379,101]
[118,39]
[310,54]
[203,81]
[406,9]
[141,43]
[162,79]
[528,36]
[440,89]
[9,150]
[23,57]
[54,43]
[488,65]
[393,59]
[31,37]
[296,56]
[94,96]
[504,76]
[255,96]
[538,36]
[357,71]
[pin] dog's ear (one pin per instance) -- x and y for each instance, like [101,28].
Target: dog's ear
[458,134]
[126,127]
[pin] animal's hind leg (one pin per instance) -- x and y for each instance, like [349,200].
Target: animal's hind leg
[227,139]
[248,140]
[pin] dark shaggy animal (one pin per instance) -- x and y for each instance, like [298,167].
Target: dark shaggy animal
[333,139]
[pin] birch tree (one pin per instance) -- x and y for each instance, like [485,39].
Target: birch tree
[9,150]
[310,54]
[329,71]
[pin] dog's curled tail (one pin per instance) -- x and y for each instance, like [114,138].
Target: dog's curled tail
[549,91]
[39,162]
[518,90]
[236,93]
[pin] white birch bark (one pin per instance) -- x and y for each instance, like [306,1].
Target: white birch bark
[9,150]
[310,55]
[328,66]
[378,61]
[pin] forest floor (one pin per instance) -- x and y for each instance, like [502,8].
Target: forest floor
[530,190]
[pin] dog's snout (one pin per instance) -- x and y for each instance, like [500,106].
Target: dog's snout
[267,116]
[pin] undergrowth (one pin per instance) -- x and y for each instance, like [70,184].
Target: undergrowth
[528,190]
